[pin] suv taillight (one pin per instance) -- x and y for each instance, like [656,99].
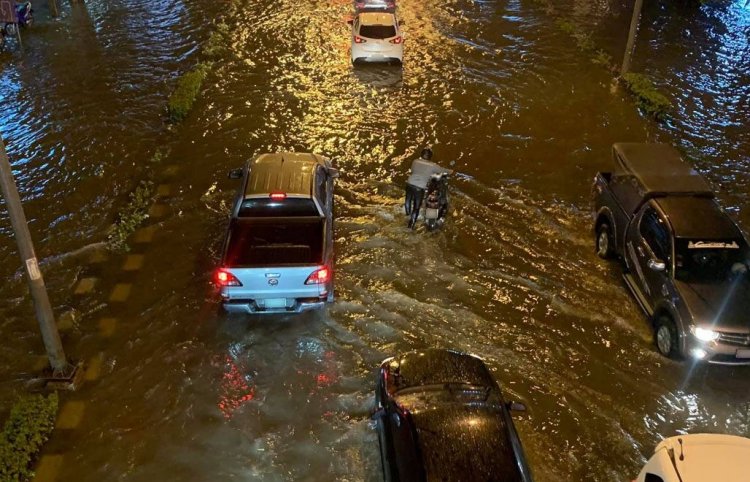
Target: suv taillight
[223,278]
[359,40]
[396,40]
[319,276]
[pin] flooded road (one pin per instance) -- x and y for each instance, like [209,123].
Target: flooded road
[189,393]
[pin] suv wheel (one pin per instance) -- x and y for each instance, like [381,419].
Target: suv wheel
[666,339]
[604,242]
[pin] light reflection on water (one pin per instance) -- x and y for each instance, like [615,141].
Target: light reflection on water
[513,277]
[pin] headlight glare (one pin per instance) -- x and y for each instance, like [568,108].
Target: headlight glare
[704,334]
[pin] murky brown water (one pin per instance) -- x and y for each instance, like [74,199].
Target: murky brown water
[188,393]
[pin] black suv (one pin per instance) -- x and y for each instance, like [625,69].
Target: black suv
[685,260]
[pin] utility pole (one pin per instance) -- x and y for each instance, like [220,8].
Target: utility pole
[631,37]
[52,343]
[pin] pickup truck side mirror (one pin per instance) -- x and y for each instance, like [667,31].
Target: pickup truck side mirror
[350,21]
[516,406]
[333,173]
[657,264]
[235,174]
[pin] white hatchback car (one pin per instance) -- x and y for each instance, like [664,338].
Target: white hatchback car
[699,458]
[376,37]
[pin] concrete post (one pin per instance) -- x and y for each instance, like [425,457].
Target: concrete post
[631,37]
[42,306]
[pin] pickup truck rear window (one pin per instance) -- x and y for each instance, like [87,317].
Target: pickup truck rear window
[267,207]
[267,243]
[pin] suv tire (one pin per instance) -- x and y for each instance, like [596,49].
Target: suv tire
[604,242]
[665,337]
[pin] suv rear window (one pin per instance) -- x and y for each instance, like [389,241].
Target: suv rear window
[269,208]
[377,31]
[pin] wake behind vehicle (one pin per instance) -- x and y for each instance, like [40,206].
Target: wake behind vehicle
[441,416]
[698,458]
[685,260]
[278,251]
[376,37]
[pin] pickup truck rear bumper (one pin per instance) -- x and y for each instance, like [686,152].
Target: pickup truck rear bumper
[292,305]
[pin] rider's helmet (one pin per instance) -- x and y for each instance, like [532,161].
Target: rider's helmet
[427,153]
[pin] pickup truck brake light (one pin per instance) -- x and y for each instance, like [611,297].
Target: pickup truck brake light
[278,196]
[225,278]
[319,276]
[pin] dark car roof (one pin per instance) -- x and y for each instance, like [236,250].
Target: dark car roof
[465,442]
[698,218]
[292,173]
[660,169]
[434,366]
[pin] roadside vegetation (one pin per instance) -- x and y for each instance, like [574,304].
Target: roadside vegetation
[187,90]
[31,421]
[647,97]
[131,217]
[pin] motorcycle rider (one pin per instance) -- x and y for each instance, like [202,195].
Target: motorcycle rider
[421,171]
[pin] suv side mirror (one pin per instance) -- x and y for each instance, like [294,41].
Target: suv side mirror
[350,21]
[235,174]
[333,173]
[516,406]
[657,264]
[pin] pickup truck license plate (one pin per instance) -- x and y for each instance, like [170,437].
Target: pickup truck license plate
[743,353]
[281,303]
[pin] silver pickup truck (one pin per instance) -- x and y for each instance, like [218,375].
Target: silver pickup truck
[278,251]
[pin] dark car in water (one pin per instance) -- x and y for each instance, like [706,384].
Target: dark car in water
[441,416]
[685,260]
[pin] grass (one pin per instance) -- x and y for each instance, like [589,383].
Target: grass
[650,100]
[31,421]
[187,90]
[585,43]
[131,217]
[216,45]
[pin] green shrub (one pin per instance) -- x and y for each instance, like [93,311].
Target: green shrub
[30,425]
[216,44]
[131,217]
[649,99]
[584,42]
[188,88]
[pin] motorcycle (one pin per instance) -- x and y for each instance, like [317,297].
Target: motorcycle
[436,201]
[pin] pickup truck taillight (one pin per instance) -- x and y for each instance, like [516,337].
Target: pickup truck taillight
[319,276]
[223,278]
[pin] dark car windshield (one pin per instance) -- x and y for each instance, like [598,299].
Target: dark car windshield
[377,31]
[710,261]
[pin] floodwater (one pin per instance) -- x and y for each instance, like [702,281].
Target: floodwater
[188,393]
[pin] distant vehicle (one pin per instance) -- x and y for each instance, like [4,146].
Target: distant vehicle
[698,458]
[278,251]
[376,37]
[685,260]
[386,5]
[441,416]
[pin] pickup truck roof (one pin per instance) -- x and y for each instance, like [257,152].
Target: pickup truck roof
[654,170]
[714,224]
[659,168]
[289,172]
